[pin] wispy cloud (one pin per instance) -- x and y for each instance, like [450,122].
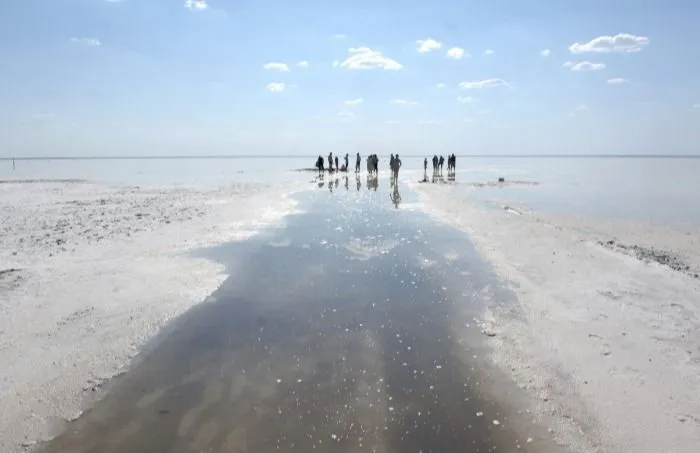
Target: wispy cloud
[545,52]
[303,64]
[340,36]
[584,66]
[621,42]
[465,99]
[357,101]
[346,114]
[366,58]
[617,81]
[440,85]
[456,53]
[402,102]
[393,122]
[581,107]
[90,42]
[276,67]
[486,83]
[696,106]
[196,5]
[428,45]
[488,52]
[275,87]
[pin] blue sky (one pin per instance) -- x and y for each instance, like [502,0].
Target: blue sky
[137,77]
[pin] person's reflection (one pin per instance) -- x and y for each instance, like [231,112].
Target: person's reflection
[395,195]
[372,182]
[336,183]
[451,177]
[330,186]
[358,182]
[347,183]
[321,183]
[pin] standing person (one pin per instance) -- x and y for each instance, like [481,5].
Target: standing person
[357,163]
[392,166]
[337,168]
[397,166]
[376,165]
[347,157]
[330,162]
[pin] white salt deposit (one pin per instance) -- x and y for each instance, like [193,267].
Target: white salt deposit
[605,344]
[89,273]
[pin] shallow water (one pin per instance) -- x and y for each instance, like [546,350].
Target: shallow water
[350,329]
[657,189]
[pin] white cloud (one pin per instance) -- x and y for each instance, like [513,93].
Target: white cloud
[617,81]
[303,64]
[584,66]
[357,101]
[340,36]
[440,85]
[275,87]
[428,45]
[336,63]
[346,114]
[581,107]
[696,106]
[196,4]
[366,58]
[545,52]
[486,83]
[465,99]
[456,53]
[429,122]
[402,102]
[621,42]
[276,67]
[90,42]
[489,52]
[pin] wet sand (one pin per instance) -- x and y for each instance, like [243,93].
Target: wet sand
[355,328]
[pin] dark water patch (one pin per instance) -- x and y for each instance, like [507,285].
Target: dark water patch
[342,332]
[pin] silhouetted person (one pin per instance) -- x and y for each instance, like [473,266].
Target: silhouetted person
[440,164]
[337,168]
[347,162]
[330,162]
[357,163]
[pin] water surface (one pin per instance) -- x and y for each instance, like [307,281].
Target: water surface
[353,328]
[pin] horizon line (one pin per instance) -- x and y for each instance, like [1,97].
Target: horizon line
[279,156]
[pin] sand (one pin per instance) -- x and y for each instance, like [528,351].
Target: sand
[605,340]
[89,273]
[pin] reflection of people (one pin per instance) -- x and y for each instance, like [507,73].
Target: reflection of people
[359,184]
[347,183]
[336,183]
[372,182]
[395,195]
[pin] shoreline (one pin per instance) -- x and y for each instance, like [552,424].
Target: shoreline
[604,343]
[58,348]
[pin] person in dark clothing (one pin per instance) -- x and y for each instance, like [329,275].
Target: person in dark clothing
[347,161]
[330,162]
[357,163]
[337,168]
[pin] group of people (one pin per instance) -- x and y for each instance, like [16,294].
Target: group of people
[320,163]
[372,164]
[438,162]
[394,164]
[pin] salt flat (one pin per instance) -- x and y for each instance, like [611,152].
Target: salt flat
[89,273]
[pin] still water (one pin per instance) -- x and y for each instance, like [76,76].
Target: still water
[354,328]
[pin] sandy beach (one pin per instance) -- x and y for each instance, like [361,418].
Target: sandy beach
[605,339]
[89,273]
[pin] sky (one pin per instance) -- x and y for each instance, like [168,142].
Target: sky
[273,77]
